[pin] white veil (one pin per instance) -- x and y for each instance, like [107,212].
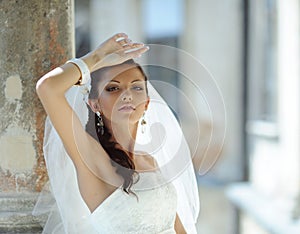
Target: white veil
[163,139]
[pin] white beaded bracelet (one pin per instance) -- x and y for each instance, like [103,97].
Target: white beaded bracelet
[84,70]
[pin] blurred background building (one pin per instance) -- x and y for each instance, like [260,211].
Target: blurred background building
[249,183]
[251,49]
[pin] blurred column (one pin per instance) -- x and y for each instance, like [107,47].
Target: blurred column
[113,16]
[289,100]
[35,37]
[213,34]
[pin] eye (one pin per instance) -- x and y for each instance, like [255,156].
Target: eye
[112,88]
[138,88]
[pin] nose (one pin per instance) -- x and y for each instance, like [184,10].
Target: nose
[127,96]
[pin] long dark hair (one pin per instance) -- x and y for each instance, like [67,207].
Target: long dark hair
[120,159]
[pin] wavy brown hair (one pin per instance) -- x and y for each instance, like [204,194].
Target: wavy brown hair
[120,159]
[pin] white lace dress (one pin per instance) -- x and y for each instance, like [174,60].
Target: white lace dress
[154,211]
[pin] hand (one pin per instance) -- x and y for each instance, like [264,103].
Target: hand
[113,51]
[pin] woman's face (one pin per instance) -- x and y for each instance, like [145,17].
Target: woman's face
[122,94]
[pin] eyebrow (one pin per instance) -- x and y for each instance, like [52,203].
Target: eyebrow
[119,81]
[136,80]
[113,81]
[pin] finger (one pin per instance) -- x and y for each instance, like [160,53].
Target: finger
[120,36]
[125,42]
[136,52]
[132,46]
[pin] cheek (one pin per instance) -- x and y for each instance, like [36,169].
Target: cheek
[107,103]
[139,113]
[140,98]
[144,99]
[141,105]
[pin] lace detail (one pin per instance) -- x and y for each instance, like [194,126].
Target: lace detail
[153,212]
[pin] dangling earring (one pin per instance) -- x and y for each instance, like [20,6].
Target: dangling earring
[100,124]
[143,123]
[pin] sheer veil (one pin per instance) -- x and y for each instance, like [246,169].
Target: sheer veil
[163,139]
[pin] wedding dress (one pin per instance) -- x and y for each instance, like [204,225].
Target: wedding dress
[152,211]
[161,194]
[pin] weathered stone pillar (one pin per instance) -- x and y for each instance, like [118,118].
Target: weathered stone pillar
[35,37]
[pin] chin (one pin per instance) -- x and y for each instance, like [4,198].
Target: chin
[126,119]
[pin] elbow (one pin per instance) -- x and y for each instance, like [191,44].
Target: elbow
[51,84]
[38,86]
[42,87]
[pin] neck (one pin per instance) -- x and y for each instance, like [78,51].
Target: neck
[125,135]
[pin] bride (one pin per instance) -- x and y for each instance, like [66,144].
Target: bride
[107,179]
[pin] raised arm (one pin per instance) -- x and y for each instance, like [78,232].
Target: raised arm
[51,89]
[178,226]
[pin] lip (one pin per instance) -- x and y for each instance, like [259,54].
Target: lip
[126,108]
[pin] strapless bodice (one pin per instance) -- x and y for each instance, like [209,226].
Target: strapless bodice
[152,210]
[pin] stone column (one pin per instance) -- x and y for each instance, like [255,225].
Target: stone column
[35,37]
